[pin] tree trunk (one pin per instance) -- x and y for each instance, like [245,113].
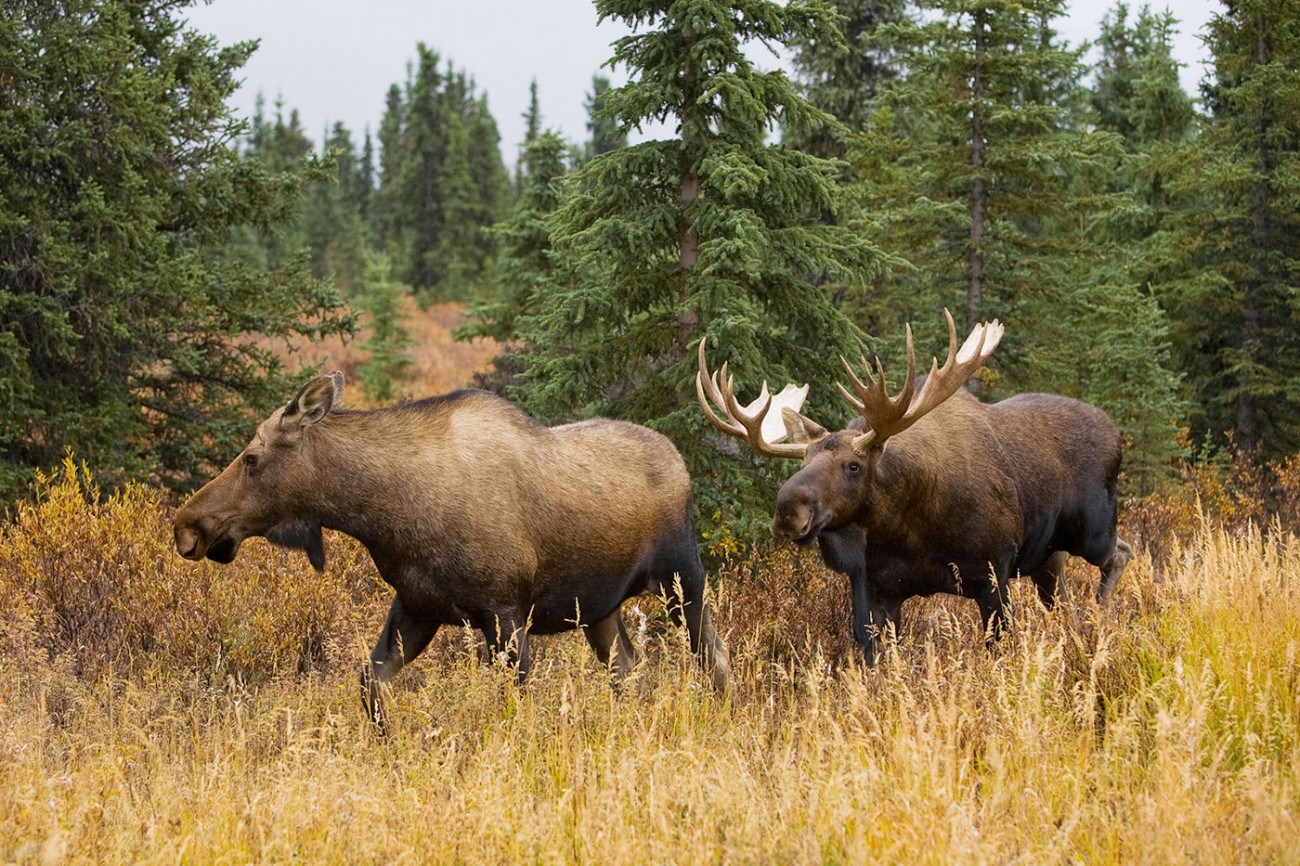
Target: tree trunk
[1253,338]
[979,192]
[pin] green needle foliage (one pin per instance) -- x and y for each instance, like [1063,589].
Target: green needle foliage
[1235,255]
[122,336]
[715,233]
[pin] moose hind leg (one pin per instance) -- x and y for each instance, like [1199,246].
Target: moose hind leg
[1049,580]
[685,594]
[608,638]
[1112,568]
[404,637]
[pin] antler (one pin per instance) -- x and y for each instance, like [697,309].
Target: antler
[746,423]
[888,416]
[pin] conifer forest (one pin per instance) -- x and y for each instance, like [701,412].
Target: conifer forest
[172,271]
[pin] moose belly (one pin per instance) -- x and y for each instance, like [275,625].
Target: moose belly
[566,597]
[897,577]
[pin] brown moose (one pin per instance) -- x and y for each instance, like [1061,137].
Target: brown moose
[475,513]
[932,491]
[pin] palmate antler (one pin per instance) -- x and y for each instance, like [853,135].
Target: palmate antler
[885,415]
[888,416]
[743,423]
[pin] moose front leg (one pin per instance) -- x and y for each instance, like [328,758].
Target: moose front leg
[404,637]
[993,598]
[875,617]
[875,613]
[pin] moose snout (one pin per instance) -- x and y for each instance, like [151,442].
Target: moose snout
[795,519]
[189,543]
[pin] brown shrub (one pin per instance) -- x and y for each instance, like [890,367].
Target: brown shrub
[1227,490]
[96,579]
[782,603]
[439,363]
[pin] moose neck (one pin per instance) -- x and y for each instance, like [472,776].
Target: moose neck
[376,474]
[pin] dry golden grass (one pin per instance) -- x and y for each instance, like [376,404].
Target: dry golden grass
[154,710]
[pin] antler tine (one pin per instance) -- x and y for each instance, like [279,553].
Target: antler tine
[873,402]
[961,363]
[720,389]
[941,383]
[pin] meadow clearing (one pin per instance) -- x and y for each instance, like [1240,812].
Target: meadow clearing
[155,710]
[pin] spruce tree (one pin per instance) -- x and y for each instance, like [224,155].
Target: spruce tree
[1231,285]
[715,234]
[124,336]
[983,154]
[460,260]
[331,218]
[436,195]
[1138,96]
[844,78]
[420,203]
[524,238]
[385,212]
[526,269]
[389,340]
[605,134]
[532,118]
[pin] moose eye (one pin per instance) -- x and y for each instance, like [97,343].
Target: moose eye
[854,466]
[250,461]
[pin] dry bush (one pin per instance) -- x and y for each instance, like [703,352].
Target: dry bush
[1229,490]
[780,603]
[1162,729]
[99,582]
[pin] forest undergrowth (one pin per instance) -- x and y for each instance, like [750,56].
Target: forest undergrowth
[157,710]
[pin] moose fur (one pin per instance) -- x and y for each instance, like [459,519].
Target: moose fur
[474,513]
[966,499]
[950,496]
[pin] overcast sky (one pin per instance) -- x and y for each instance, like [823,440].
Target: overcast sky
[334,60]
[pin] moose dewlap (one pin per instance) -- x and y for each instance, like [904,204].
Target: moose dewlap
[473,512]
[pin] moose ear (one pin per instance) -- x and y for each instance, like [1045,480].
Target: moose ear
[800,428]
[314,401]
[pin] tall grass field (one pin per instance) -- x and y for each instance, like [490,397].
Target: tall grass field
[154,710]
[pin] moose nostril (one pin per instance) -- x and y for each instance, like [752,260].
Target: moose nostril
[187,542]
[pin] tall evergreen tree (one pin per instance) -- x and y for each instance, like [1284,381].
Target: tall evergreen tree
[459,256]
[366,180]
[332,217]
[385,214]
[1232,294]
[437,195]
[524,238]
[972,172]
[844,78]
[605,134]
[532,118]
[420,205]
[123,335]
[491,199]
[1138,96]
[713,235]
[389,340]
